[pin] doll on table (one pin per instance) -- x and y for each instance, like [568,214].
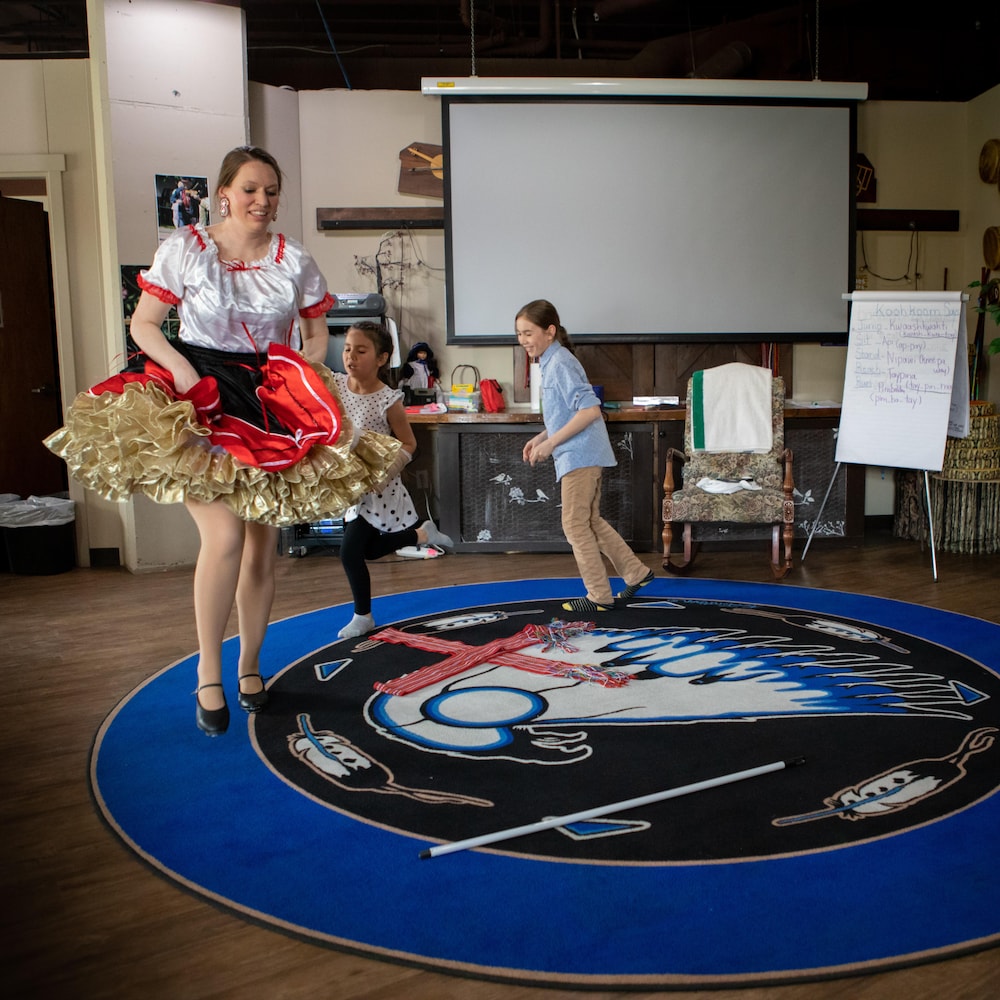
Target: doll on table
[421,369]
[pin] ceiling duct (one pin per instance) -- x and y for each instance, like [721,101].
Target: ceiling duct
[525,48]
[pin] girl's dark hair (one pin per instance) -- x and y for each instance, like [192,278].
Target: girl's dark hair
[543,313]
[235,159]
[381,341]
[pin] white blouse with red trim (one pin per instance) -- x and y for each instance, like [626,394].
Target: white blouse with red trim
[236,305]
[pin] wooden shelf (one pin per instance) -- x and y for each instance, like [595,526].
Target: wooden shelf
[903,220]
[380,218]
[888,219]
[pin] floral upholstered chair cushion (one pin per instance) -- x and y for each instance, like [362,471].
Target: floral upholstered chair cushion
[691,503]
[761,483]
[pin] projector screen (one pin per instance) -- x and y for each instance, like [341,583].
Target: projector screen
[649,220]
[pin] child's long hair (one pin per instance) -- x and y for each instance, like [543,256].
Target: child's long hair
[543,313]
[382,342]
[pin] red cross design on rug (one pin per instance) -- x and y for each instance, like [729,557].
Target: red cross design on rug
[500,652]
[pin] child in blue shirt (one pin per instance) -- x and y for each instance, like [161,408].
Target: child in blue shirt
[577,440]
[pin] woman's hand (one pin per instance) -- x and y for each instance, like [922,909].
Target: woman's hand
[185,376]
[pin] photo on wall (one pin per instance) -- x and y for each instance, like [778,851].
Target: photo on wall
[181,200]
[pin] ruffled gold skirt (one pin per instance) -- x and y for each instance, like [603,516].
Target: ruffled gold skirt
[141,440]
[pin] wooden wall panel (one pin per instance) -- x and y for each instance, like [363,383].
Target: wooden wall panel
[675,363]
[649,369]
[610,365]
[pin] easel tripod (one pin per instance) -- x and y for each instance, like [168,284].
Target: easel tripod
[930,518]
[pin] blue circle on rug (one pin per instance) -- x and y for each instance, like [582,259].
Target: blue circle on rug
[429,793]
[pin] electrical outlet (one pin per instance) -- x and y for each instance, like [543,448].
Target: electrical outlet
[422,479]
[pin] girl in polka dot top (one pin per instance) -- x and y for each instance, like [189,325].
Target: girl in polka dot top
[382,522]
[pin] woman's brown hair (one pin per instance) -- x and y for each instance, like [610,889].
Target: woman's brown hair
[235,159]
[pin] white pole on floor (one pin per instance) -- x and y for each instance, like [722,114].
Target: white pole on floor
[613,807]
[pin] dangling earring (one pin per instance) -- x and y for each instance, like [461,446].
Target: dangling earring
[274,218]
[223,206]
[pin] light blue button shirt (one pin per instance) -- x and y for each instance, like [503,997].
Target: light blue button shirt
[565,390]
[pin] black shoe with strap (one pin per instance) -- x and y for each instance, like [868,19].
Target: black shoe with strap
[211,721]
[255,701]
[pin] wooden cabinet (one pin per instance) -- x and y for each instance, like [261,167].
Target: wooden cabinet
[488,500]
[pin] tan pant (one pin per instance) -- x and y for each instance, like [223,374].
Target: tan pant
[592,537]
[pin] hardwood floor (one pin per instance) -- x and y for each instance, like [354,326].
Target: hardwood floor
[84,919]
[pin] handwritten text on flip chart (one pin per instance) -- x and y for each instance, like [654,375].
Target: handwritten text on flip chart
[900,379]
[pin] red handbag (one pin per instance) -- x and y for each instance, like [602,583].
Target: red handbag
[492,395]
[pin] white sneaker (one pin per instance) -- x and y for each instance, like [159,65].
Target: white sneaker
[420,552]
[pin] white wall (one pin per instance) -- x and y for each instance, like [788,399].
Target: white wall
[170,109]
[22,111]
[917,150]
[350,143]
[351,140]
[175,109]
[47,110]
[922,158]
[274,126]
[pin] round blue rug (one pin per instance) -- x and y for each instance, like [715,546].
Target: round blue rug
[487,713]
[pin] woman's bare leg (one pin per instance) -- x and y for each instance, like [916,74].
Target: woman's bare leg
[254,596]
[215,579]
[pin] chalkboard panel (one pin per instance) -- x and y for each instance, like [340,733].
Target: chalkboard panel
[499,503]
[906,386]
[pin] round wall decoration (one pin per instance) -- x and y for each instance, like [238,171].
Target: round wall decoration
[989,161]
[991,247]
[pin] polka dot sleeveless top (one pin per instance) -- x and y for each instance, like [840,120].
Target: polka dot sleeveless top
[392,509]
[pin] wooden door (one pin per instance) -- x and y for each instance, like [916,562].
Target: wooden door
[30,400]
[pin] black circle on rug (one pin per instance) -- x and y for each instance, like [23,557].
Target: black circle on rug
[482,709]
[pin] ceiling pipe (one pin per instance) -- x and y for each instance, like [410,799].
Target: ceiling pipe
[676,56]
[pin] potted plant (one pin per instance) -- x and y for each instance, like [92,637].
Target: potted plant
[989,305]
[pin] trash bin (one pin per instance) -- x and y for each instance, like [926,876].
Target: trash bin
[39,535]
[4,561]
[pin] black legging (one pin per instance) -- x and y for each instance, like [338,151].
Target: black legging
[362,542]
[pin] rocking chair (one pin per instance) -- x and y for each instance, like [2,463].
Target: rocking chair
[749,487]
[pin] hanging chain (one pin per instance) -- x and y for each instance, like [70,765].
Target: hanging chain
[472,34]
[816,45]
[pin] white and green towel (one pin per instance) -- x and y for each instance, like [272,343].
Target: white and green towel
[731,409]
